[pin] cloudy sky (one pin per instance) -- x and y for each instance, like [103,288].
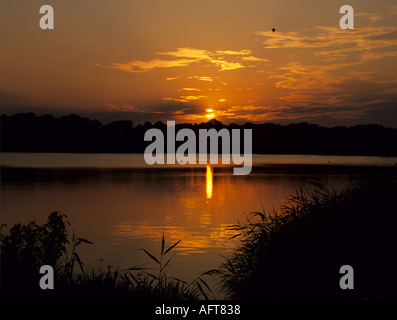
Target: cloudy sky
[192,60]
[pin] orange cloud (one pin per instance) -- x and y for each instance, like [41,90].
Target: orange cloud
[225,65]
[184,57]
[202,78]
[377,55]
[189,89]
[252,58]
[363,38]
[176,99]
[231,52]
[122,107]
[172,78]
[139,66]
[192,97]
[196,54]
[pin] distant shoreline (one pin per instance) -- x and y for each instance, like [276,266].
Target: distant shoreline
[137,161]
[74,134]
[10,171]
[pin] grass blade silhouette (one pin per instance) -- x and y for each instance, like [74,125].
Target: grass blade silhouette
[163,267]
[173,246]
[162,244]
[151,256]
[83,240]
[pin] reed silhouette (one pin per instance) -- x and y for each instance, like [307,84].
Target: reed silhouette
[29,246]
[297,251]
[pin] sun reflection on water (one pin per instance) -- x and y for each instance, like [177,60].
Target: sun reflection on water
[209,179]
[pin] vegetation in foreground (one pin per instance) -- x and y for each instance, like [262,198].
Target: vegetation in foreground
[296,252]
[28,247]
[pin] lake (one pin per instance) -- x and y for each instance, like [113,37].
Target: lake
[121,204]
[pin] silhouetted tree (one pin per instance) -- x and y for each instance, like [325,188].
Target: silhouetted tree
[27,132]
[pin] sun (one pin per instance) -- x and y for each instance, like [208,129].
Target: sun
[210,113]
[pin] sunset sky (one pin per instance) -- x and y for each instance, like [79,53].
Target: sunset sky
[195,59]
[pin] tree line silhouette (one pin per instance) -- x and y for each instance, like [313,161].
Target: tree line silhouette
[26,132]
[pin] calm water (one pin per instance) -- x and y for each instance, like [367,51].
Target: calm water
[118,203]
